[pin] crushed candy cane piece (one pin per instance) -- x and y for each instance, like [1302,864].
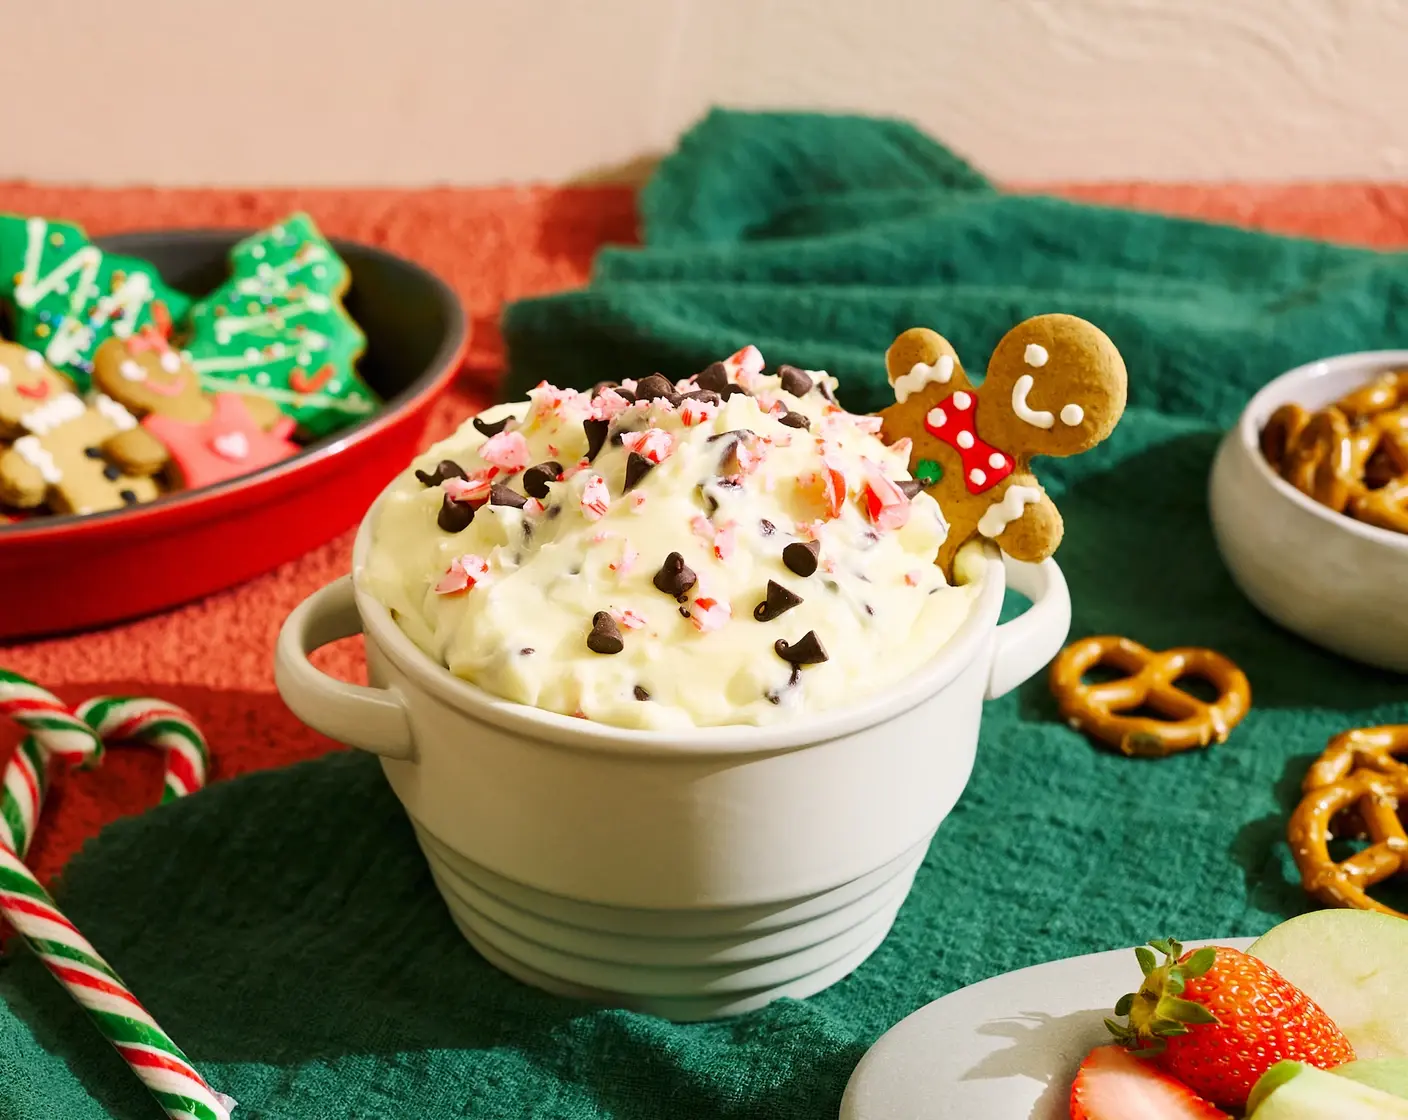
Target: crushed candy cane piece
[463,573]
[507,450]
[912,578]
[653,443]
[596,499]
[871,425]
[472,489]
[608,403]
[697,412]
[826,487]
[724,540]
[708,614]
[629,556]
[601,535]
[702,527]
[885,503]
[629,619]
[534,507]
[576,468]
[637,501]
[902,448]
[745,365]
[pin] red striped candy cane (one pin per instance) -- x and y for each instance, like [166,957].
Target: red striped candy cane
[148,1051]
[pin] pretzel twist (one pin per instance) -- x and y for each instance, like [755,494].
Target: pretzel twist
[1363,748]
[1352,456]
[1149,681]
[1379,800]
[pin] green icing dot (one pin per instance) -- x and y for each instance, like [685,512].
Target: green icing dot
[928,472]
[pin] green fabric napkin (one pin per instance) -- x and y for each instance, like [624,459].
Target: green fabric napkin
[283,926]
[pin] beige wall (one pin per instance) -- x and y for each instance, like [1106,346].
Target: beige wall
[483,91]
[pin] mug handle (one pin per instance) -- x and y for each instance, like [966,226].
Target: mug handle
[370,718]
[1033,638]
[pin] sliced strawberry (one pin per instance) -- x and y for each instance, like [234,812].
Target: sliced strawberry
[1112,1084]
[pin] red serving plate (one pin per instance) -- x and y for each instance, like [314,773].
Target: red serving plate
[60,574]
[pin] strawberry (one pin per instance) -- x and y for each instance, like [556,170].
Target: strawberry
[1217,1019]
[1112,1084]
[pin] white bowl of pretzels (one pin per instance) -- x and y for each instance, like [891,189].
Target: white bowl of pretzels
[1309,504]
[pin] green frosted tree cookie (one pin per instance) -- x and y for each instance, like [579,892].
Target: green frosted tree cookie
[277,329]
[67,296]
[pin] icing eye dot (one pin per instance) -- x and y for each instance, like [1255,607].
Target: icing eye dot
[170,361]
[251,354]
[34,359]
[962,401]
[131,371]
[257,252]
[261,378]
[1072,415]
[997,460]
[977,476]
[1036,355]
[936,418]
[964,440]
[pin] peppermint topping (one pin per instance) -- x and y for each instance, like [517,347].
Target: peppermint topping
[596,500]
[508,451]
[463,574]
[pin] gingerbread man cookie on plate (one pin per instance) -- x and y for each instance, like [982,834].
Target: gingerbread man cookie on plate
[1055,385]
[200,439]
[60,456]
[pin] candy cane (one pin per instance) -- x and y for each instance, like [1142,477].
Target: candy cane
[55,731]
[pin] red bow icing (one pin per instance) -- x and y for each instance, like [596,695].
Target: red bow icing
[952,420]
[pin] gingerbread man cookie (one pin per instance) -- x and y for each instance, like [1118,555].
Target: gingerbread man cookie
[1055,385]
[69,296]
[60,456]
[201,439]
[278,329]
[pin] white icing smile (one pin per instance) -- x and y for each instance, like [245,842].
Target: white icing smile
[1071,414]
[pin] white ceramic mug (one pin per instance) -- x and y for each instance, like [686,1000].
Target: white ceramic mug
[690,873]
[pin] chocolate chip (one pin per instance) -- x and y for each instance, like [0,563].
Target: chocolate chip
[733,391]
[870,610]
[800,557]
[656,387]
[714,378]
[910,487]
[605,637]
[684,612]
[601,387]
[536,478]
[794,381]
[93,452]
[490,430]
[824,387]
[732,433]
[445,469]
[553,513]
[806,650]
[640,693]
[500,495]
[712,503]
[128,496]
[596,436]
[111,473]
[454,517]
[525,651]
[767,527]
[779,601]
[625,394]
[704,396]
[674,577]
[637,467]
[795,420]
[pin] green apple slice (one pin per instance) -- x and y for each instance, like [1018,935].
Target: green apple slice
[1354,964]
[1295,1091]
[1388,1074]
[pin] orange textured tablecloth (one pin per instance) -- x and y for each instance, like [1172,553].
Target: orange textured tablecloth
[215,657]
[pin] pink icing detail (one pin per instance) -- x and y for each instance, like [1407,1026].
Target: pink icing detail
[884,501]
[629,619]
[173,388]
[463,573]
[596,499]
[507,450]
[472,489]
[629,556]
[652,443]
[708,614]
[193,450]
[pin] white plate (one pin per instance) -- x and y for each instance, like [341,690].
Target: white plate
[1003,1049]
